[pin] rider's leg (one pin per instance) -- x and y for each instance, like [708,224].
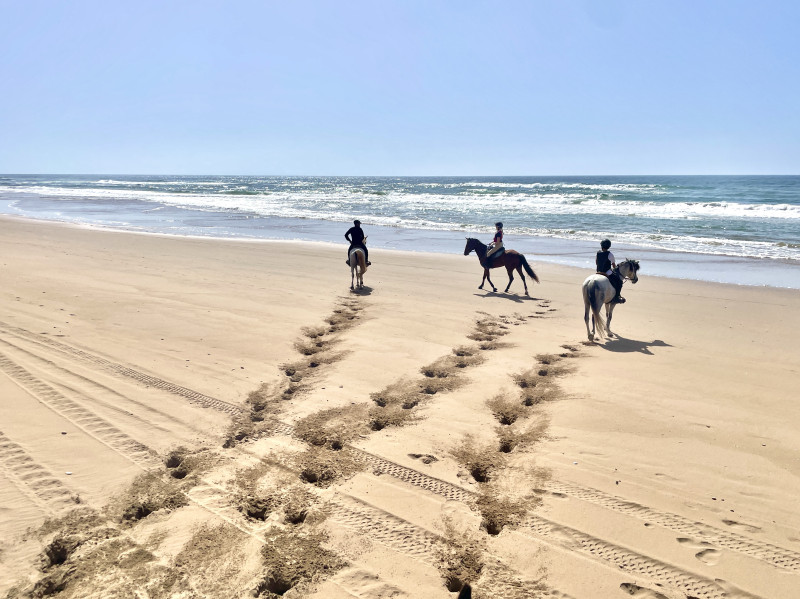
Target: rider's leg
[490,253]
[366,255]
[616,281]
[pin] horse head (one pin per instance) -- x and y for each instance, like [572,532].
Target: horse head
[472,244]
[629,269]
[469,247]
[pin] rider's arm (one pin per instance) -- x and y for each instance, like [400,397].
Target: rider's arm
[611,258]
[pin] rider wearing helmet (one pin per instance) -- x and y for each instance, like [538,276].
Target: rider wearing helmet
[355,235]
[496,244]
[606,265]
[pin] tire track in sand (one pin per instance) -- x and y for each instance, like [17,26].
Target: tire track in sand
[623,558]
[766,552]
[146,379]
[32,479]
[84,419]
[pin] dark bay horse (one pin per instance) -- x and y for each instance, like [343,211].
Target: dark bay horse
[510,259]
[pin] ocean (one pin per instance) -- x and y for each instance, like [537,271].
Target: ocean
[733,229]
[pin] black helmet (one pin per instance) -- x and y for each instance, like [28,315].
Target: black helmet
[499,225]
[605,244]
[357,223]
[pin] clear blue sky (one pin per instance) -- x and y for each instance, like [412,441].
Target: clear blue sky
[400,87]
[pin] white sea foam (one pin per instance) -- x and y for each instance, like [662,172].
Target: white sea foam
[322,204]
[633,213]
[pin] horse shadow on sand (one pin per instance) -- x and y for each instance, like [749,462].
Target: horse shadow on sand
[622,345]
[365,290]
[508,296]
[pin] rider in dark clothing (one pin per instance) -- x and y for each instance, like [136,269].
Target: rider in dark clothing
[493,250]
[355,235]
[607,266]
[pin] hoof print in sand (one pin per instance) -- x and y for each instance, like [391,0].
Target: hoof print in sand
[425,458]
[640,592]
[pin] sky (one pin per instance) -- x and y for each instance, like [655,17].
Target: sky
[536,87]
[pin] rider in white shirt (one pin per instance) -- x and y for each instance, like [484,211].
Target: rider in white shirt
[605,266]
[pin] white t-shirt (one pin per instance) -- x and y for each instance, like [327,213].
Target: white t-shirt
[610,259]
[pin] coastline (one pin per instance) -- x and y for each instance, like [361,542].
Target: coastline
[684,265]
[689,416]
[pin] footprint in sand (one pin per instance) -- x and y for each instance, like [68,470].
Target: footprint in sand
[741,526]
[362,583]
[710,557]
[707,554]
[425,458]
[640,592]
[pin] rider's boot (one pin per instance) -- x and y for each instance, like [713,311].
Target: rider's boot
[618,299]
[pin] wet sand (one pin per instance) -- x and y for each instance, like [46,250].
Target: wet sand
[214,418]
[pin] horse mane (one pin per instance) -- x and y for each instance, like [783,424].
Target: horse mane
[634,264]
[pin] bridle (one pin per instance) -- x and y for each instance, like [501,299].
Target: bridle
[632,268]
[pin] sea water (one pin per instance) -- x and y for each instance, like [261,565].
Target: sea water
[734,229]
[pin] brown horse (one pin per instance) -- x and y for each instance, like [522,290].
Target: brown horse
[510,259]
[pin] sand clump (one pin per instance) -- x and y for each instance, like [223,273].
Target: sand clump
[506,411]
[317,347]
[480,461]
[396,404]
[460,557]
[295,560]
[147,494]
[322,467]
[263,492]
[499,509]
[334,427]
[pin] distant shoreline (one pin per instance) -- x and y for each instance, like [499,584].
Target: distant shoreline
[751,272]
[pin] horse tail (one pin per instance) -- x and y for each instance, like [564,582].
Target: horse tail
[528,268]
[362,262]
[592,291]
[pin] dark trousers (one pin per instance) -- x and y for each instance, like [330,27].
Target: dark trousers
[616,281]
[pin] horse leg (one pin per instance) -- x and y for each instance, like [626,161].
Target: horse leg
[485,274]
[587,309]
[525,284]
[488,278]
[352,277]
[510,279]
[609,312]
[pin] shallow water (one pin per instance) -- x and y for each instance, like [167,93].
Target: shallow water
[730,229]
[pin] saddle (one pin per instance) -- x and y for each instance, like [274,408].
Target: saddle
[491,258]
[614,278]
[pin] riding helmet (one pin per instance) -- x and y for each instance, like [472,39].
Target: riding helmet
[605,244]
[499,225]
[357,223]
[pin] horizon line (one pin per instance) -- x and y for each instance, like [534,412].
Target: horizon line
[393,176]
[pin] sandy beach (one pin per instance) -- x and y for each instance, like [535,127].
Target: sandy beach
[211,418]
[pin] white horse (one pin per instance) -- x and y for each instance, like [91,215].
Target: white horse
[358,266]
[598,291]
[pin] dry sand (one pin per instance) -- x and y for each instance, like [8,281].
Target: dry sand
[204,418]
